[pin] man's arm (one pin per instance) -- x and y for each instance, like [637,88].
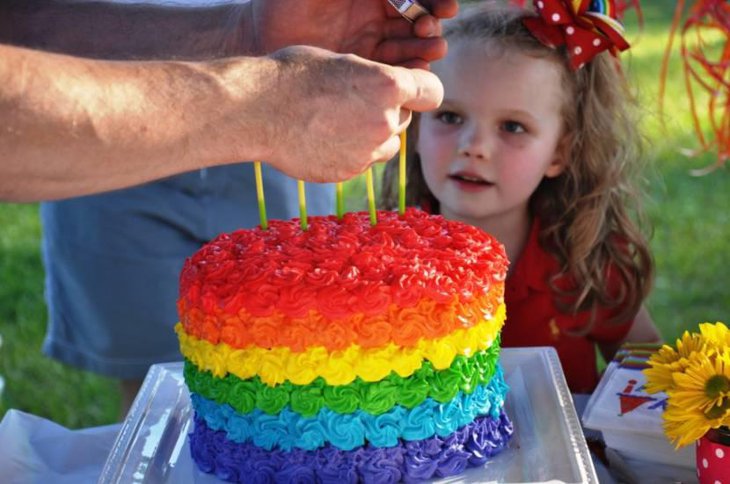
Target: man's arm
[72,126]
[369,28]
[108,30]
[76,126]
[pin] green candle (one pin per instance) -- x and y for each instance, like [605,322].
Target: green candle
[340,200]
[302,205]
[260,194]
[402,175]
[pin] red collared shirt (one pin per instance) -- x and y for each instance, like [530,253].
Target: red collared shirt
[534,320]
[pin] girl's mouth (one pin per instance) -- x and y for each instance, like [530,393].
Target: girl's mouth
[469,181]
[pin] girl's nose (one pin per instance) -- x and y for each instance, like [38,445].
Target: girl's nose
[473,143]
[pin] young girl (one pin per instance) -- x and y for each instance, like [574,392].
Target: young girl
[539,150]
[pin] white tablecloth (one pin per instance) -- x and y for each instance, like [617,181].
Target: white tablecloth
[34,450]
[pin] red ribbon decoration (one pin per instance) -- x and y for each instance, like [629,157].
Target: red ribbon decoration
[585,32]
[621,7]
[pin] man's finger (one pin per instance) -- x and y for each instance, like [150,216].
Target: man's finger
[397,28]
[405,119]
[387,150]
[401,51]
[417,64]
[420,89]
[427,26]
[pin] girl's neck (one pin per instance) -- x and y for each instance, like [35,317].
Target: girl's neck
[513,234]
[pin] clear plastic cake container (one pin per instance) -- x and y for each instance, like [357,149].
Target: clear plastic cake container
[547,446]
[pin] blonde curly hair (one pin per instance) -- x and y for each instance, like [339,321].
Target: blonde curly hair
[590,215]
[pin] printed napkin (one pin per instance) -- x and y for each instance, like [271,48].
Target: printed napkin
[629,418]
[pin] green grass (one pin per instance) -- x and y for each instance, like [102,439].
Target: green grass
[691,242]
[34,383]
[689,213]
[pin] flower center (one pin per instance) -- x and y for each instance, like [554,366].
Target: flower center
[718,411]
[717,385]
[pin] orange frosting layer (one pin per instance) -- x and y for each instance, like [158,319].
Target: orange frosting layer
[277,365]
[428,319]
[340,269]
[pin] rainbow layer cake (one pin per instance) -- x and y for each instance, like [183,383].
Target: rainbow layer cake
[346,352]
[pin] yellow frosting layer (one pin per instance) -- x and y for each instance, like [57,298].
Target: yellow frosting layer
[279,364]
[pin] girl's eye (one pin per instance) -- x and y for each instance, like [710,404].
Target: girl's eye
[513,127]
[448,117]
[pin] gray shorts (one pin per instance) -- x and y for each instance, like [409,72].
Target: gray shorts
[112,261]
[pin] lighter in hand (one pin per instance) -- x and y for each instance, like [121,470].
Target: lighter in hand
[409,9]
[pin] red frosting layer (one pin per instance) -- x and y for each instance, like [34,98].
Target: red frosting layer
[342,268]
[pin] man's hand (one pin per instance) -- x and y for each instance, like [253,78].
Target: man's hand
[369,28]
[326,116]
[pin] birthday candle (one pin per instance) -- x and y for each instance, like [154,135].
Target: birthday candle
[260,194]
[302,205]
[371,195]
[340,200]
[402,175]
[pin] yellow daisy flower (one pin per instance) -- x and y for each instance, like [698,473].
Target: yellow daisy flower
[689,344]
[659,377]
[664,356]
[696,379]
[704,385]
[684,427]
[716,335]
[668,361]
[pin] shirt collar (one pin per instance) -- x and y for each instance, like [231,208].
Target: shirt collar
[533,267]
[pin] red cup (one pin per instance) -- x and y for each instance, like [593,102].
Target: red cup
[713,457]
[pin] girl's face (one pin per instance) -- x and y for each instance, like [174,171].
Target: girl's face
[496,135]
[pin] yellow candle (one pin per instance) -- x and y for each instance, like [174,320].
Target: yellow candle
[371,195]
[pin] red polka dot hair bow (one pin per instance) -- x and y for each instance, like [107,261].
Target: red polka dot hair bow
[585,27]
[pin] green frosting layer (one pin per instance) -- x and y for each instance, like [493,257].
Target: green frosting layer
[464,374]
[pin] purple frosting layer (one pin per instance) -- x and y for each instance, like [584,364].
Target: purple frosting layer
[412,461]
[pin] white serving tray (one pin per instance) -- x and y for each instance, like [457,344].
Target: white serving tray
[547,446]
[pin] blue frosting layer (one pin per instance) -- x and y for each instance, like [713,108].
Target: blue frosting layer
[414,461]
[289,430]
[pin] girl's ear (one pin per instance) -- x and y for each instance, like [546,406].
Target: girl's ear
[560,159]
